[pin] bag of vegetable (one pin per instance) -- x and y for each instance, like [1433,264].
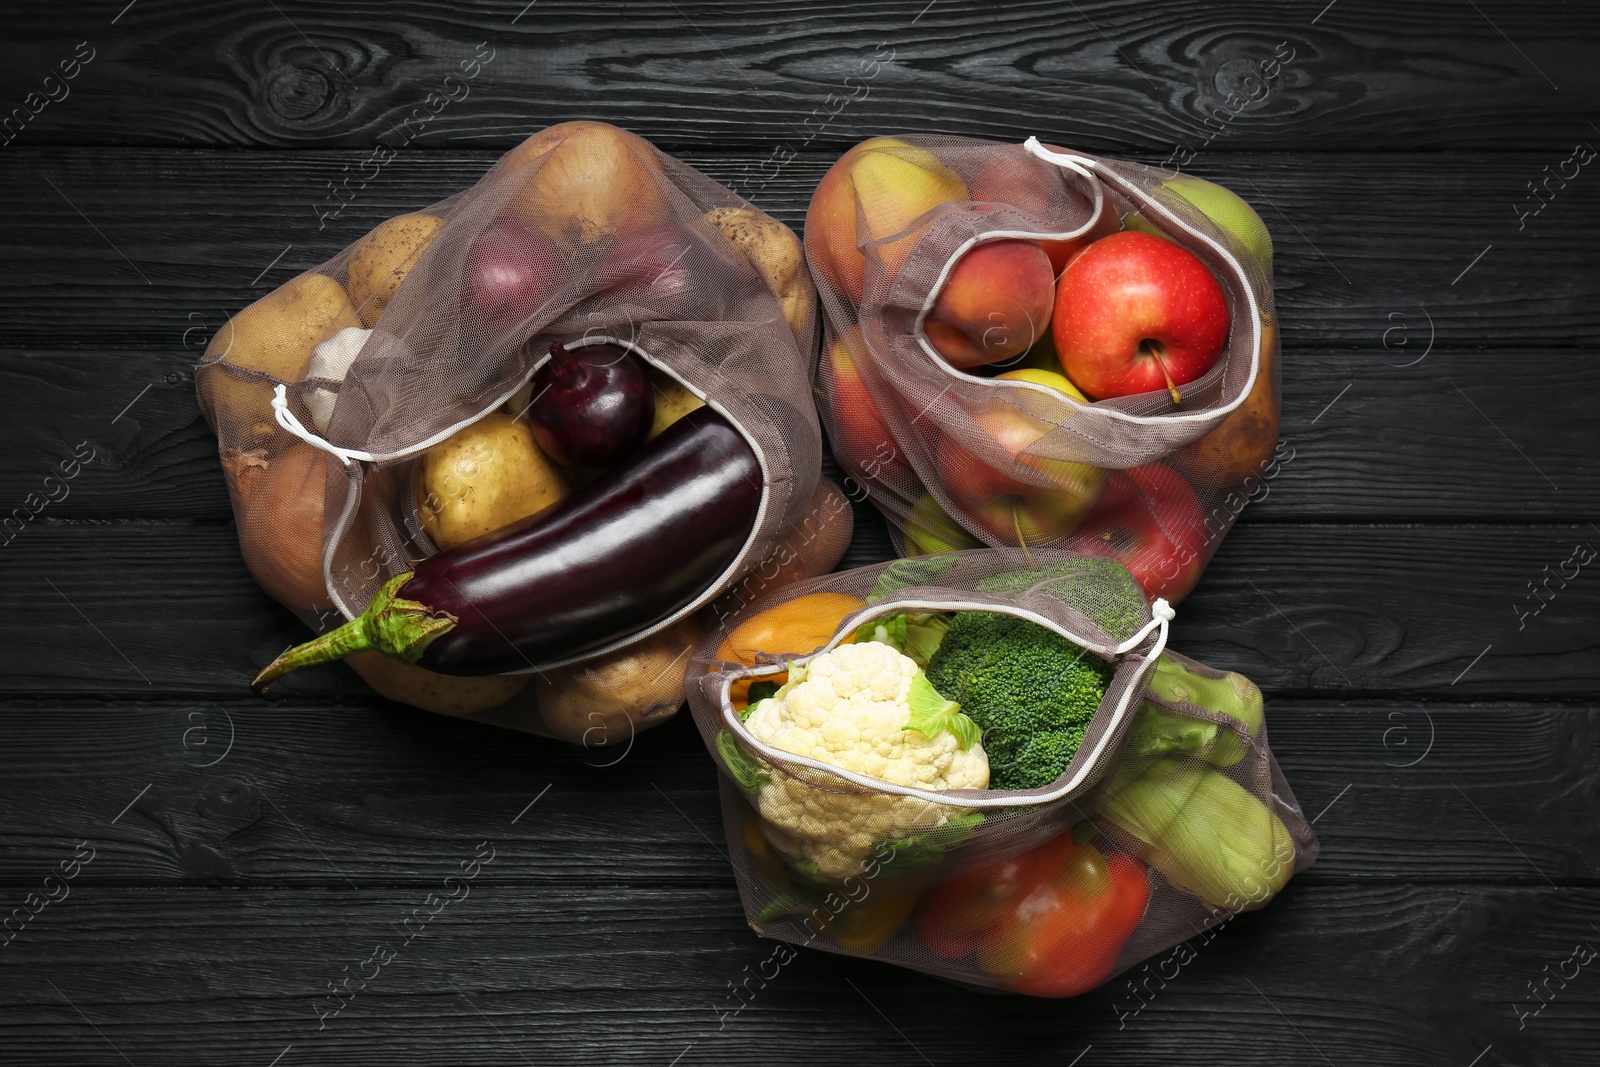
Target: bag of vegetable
[989,768]
[1028,347]
[509,447]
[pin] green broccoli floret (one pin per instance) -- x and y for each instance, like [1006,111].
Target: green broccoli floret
[1100,588]
[1032,691]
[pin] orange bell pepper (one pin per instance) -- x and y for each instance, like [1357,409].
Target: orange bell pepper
[795,627]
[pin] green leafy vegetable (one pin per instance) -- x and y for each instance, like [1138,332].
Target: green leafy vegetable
[931,713]
[1030,690]
[1101,589]
[744,769]
[917,635]
[1232,695]
[903,855]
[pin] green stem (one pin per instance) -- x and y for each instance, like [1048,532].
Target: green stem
[399,628]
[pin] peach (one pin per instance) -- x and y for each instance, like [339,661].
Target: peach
[995,304]
[1031,186]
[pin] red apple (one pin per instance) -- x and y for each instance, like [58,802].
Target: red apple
[994,305]
[1009,509]
[1135,314]
[863,444]
[1149,520]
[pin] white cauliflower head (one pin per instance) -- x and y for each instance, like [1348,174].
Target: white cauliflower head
[851,708]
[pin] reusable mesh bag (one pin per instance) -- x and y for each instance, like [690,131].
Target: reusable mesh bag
[1171,815]
[954,459]
[582,234]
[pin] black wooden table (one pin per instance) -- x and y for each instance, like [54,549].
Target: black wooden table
[1406,592]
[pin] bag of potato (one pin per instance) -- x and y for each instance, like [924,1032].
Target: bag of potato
[1033,348]
[505,451]
[991,769]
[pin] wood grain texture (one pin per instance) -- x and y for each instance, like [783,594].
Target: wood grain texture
[1376,254]
[1530,434]
[363,792]
[1438,384]
[159,608]
[587,970]
[1363,76]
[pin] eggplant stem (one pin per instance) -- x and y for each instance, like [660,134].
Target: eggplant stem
[399,628]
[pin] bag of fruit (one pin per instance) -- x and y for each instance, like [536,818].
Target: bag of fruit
[989,769]
[1029,347]
[503,451]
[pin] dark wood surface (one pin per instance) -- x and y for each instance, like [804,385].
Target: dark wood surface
[1440,398]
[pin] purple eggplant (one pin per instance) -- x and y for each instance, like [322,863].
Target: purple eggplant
[592,405]
[629,549]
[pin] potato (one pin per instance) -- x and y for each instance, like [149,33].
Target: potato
[606,701]
[673,399]
[276,336]
[487,476]
[812,547]
[381,260]
[774,250]
[444,694]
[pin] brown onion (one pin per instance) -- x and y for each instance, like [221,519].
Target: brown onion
[279,511]
[595,182]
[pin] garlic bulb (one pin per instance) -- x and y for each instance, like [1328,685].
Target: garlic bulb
[332,360]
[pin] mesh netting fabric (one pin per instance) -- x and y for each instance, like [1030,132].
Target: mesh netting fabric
[413,334]
[1172,807]
[955,459]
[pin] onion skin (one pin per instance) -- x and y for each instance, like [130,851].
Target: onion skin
[592,406]
[665,268]
[279,512]
[629,549]
[511,268]
[595,182]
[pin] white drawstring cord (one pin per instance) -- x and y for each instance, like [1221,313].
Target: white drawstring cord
[1161,614]
[1061,159]
[287,419]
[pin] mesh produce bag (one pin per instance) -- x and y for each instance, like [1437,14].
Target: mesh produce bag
[927,253]
[335,397]
[1170,815]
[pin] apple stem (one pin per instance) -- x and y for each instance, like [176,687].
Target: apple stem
[1177,398]
[1022,542]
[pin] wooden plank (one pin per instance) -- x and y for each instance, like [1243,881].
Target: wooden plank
[1103,75]
[587,970]
[155,457]
[310,793]
[1379,254]
[1359,609]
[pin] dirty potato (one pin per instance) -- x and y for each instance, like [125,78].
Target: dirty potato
[487,476]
